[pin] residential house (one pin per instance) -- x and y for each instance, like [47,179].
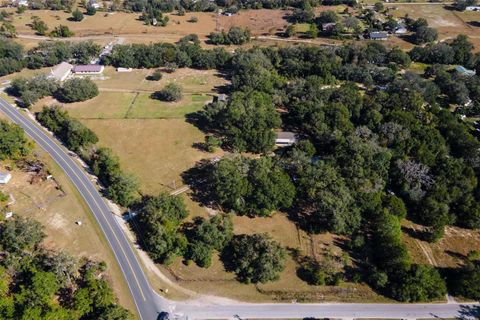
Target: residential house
[285,139]
[378,35]
[88,69]
[61,71]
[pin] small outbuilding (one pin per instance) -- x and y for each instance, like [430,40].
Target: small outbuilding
[400,29]
[61,71]
[328,26]
[472,8]
[285,139]
[221,97]
[5,177]
[88,69]
[464,71]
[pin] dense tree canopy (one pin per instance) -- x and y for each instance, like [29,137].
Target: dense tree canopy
[13,142]
[255,258]
[75,90]
[160,218]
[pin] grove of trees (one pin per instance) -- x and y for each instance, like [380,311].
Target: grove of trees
[40,284]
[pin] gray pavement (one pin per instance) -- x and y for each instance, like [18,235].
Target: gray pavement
[149,303]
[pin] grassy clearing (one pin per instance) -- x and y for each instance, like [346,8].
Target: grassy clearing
[215,280]
[157,151]
[56,204]
[191,80]
[450,251]
[106,105]
[302,27]
[146,107]
[448,23]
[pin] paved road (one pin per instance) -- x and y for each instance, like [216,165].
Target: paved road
[149,304]
[143,295]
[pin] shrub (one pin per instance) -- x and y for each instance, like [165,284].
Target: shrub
[156,75]
[77,15]
[171,92]
[61,32]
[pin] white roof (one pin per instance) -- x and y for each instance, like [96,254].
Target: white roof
[60,71]
[5,177]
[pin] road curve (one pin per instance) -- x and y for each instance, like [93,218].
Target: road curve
[149,303]
[143,295]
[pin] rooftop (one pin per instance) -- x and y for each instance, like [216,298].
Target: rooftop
[465,71]
[88,68]
[286,135]
[60,70]
[378,35]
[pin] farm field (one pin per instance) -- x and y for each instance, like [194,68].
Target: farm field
[448,23]
[57,206]
[159,144]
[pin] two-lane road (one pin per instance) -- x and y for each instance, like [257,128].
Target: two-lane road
[149,303]
[143,295]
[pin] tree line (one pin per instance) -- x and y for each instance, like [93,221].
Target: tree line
[30,91]
[14,58]
[119,186]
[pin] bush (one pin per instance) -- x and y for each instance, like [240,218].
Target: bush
[156,75]
[77,15]
[235,35]
[39,26]
[91,10]
[254,258]
[75,90]
[61,32]
[193,19]
[171,92]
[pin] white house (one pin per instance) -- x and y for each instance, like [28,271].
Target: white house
[61,71]
[5,177]
[285,139]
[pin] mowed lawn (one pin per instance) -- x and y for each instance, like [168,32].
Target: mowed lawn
[157,151]
[129,105]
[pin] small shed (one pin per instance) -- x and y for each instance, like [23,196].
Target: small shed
[285,138]
[400,29]
[472,8]
[328,26]
[221,97]
[5,177]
